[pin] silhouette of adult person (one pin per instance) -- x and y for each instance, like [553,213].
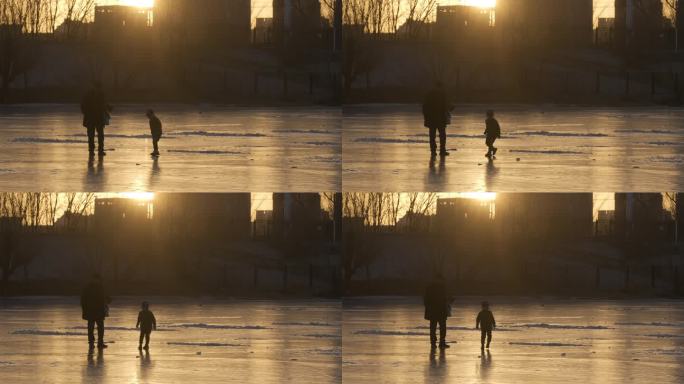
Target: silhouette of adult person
[436,114]
[95,114]
[94,303]
[437,310]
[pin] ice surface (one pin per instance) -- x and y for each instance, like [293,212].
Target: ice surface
[543,148]
[568,341]
[204,149]
[39,343]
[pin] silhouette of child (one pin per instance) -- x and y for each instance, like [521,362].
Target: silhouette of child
[146,323]
[492,132]
[486,323]
[155,130]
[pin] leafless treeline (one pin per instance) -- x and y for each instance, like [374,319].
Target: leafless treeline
[378,210]
[45,16]
[34,210]
[385,16]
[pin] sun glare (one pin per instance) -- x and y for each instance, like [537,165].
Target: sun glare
[481,196]
[143,196]
[472,3]
[138,3]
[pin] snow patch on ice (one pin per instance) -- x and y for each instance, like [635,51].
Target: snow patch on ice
[331,351]
[43,140]
[457,328]
[203,344]
[560,326]
[322,143]
[669,352]
[665,336]
[218,326]
[324,159]
[649,131]
[121,136]
[380,332]
[38,332]
[205,152]
[125,329]
[454,136]
[651,324]
[323,336]
[216,134]
[308,131]
[389,141]
[665,143]
[547,152]
[668,159]
[551,344]
[558,134]
[305,324]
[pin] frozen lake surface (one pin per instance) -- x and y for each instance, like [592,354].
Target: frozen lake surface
[385,340]
[544,148]
[205,149]
[198,341]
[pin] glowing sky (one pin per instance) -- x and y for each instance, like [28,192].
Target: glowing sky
[260,8]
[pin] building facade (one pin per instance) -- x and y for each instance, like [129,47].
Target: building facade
[639,23]
[545,23]
[297,22]
[217,22]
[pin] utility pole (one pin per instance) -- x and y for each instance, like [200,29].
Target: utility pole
[337,51]
[337,26]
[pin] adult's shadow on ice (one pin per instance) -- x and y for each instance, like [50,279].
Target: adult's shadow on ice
[438,364]
[96,172]
[436,172]
[96,363]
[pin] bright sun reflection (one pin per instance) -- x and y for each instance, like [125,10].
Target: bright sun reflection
[472,3]
[143,196]
[138,3]
[481,196]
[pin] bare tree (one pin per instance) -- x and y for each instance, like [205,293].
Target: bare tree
[672,7]
[369,214]
[673,200]
[19,213]
[76,12]
[419,12]
[367,20]
[14,55]
[53,14]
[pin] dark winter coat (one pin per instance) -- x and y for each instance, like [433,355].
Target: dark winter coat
[146,321]
[436,301]
[94,302]
[485,320]
[94,108]
[436,109]
[493,130]
[155,127]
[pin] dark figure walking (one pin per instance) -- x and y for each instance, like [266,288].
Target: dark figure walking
[437,115]
[437,310]
[493,132]
[95,116]
[486,323]
[155,130]
[94,303]
[146,323]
